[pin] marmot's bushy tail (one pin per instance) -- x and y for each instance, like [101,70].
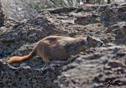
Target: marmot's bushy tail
[17,59]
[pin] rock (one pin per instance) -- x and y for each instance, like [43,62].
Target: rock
[27,77]
[84,20]
[1,16]
[112,77]
[114,72]
[119,31]
[116,64]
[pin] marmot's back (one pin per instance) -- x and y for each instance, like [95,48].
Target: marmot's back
[55,47]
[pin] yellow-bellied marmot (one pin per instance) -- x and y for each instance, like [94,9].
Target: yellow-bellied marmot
[58,48]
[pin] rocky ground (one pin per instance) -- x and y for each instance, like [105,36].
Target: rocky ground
[97,67]
[2,18]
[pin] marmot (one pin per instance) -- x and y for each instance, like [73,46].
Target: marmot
[58,48]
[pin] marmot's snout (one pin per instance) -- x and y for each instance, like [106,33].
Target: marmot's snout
[94,42]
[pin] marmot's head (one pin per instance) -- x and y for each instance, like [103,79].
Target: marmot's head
[94,42]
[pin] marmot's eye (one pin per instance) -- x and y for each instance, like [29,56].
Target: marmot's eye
[100,44]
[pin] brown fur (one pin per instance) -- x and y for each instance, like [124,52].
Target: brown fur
[54,48]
